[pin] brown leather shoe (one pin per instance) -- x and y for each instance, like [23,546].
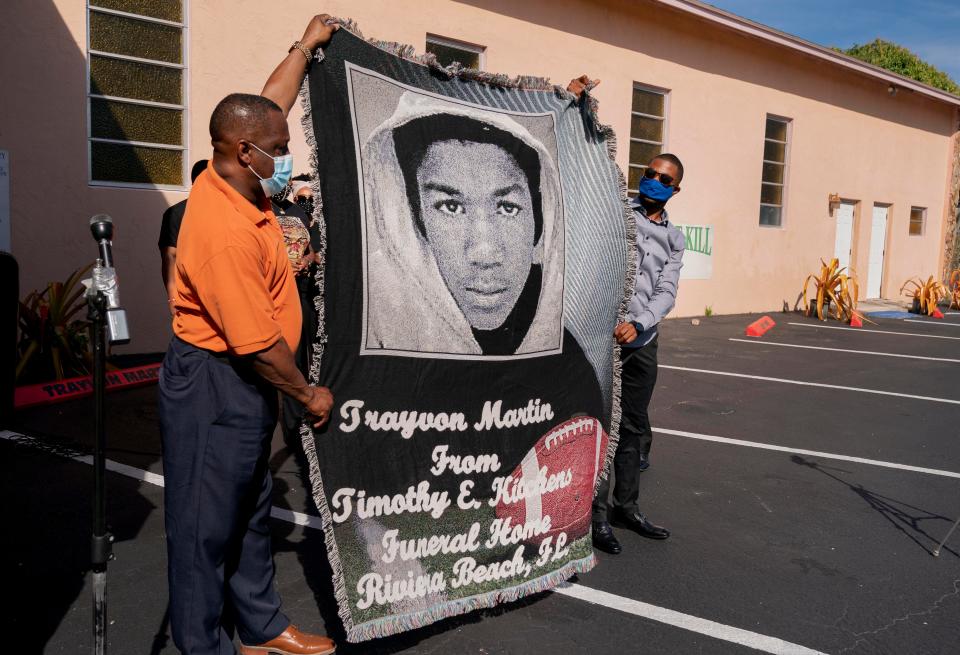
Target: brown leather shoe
[292,642]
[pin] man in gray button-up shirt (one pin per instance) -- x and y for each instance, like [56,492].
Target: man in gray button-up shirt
[660,246]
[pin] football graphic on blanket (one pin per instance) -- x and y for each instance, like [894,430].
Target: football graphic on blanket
[556,479]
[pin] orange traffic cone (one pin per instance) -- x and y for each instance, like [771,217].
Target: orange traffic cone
[855,321]
[936,314]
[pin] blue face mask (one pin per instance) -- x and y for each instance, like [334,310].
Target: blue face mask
[655,190]
[282,171]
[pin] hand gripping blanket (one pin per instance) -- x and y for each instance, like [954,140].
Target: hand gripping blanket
[476,257]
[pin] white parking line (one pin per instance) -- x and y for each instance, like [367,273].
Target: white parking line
[845,350]
[810,384]
[612,601]
[905,334]
[156,479]
[685,621]
[930,322]
[812,453]
[297,518]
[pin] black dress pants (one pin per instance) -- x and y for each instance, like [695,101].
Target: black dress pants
[216,422]
[637,380]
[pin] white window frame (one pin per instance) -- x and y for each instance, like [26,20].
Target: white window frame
[185,114]
[923,221]
[665,119]
[786,170]
[466,46]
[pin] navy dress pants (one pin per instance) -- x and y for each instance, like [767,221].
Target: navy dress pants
[216,422]
[637,379]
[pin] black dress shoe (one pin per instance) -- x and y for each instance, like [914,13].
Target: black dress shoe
[644,463]
[604,539]
[637,522]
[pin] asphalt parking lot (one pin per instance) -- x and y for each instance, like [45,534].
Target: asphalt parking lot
[807,477]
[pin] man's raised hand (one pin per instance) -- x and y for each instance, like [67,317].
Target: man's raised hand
[283,85]
[579,85]
[319,31]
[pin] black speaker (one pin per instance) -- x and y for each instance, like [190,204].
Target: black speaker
[9,317]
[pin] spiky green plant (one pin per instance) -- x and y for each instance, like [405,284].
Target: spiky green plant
[54,341]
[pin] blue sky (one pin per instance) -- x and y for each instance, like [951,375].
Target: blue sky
[930,28]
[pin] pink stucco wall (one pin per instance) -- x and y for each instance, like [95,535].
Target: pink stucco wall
[849,136]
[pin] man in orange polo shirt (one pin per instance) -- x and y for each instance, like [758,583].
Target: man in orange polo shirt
[236,325]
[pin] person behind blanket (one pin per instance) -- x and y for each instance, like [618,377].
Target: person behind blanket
[298,236]
[302,193]
[236,323]
[660,246]
[169,230]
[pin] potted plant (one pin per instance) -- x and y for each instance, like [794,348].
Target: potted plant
[926,295]
[54,340]
[837,292]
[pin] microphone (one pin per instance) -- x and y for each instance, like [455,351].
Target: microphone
[104,280]
[101,227]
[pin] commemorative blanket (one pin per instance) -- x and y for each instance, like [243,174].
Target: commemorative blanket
[477,252]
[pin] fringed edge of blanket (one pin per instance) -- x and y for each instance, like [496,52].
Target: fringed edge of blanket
[412,620]
[456,69]
[630,229]
[306,430]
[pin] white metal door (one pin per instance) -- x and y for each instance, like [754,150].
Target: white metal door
[878,241]
[844,241]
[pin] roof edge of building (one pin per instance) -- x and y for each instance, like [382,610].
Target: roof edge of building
[746,26]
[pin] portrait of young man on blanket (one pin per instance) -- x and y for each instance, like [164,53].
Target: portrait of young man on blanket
[465,234]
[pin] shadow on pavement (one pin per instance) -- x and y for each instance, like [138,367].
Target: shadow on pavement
[51,547]
[48,549]
[904,517]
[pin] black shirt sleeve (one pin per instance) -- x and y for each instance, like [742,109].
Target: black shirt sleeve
[316,239]
[170,226]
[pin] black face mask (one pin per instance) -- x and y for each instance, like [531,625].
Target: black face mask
[306,204]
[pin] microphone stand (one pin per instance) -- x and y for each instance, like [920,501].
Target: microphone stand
[108,322]
[101,544]
[936,552]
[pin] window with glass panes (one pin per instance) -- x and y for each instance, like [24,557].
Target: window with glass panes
[647,117]
[774,179]
[136,92]
[918,217]
[448,51]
